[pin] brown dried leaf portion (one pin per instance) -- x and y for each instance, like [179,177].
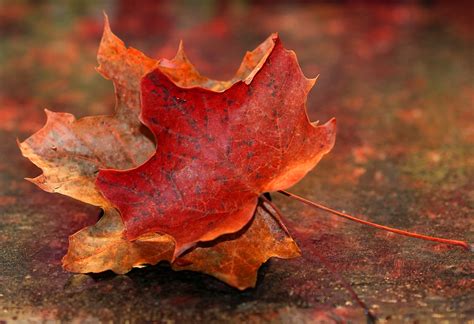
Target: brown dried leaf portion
[254,60]
[103,247]
[183,73]
[125,66]
[70,152]
[236,258]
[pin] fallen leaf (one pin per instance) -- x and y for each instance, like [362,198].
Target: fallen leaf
[70,152]
[218,152]
[235,258]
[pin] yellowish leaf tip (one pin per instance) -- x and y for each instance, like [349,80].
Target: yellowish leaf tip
[106,22]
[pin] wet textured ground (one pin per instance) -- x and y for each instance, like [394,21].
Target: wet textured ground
[398,78]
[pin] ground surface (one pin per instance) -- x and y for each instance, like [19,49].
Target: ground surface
[399,79]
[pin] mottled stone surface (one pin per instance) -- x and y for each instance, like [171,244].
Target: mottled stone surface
[398,78]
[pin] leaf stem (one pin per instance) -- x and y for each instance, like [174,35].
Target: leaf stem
[382,227]
[277,215]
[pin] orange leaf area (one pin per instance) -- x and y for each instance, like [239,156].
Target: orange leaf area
[235,258]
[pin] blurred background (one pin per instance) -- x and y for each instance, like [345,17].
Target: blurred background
[398,76]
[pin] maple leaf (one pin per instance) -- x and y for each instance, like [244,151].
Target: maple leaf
[218,151]
[235,258]
[70,152]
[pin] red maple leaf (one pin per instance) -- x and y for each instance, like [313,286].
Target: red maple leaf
[217,152]
[70,152]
